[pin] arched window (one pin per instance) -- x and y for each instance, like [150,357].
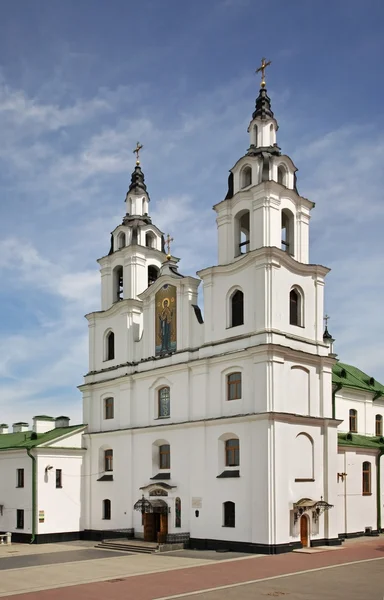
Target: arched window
[367,479]
[304,457]
[165,456]
[287,232]
[232,453]
[234,386]
[282,175]
[108,460]
[110,346]
[121,240]
[229,514]
[177,512]
[353,420]
[107,510]
[246,177]
[237,308]
[296,308]
[164,402]
[242,233]
[379,425]
[153,273]
[108,408]
[149,240]
[271,135]
[118,284]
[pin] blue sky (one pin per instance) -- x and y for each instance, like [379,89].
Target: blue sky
[81,82]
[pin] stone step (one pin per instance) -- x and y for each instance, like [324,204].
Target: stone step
[134,548]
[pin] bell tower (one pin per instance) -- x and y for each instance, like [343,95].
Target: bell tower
[262,207]
[137,246]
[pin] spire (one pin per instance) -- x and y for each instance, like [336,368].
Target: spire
[137,181]
[263,106]
[263,102]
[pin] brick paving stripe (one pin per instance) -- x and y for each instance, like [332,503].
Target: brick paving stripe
[209,576]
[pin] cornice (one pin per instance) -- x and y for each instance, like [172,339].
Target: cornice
[115,308]
[267,255]
[132,250]
[274,351]
[177,281]
[212,421]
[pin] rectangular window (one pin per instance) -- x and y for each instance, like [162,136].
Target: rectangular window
[353,420]
[165,456]
[232,453]
[20,478]
[367,479]
[379,425]
[109,410]
[59,480]
[234,386]
[108,460]
[19,519]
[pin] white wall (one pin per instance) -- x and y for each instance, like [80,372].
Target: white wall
[61,506]
[11,497]
[356,512]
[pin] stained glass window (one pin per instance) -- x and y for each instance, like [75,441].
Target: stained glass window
[164,402]
[177,512]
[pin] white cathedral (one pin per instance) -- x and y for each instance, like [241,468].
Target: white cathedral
[237,429]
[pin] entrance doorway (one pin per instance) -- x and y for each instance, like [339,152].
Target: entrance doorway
[155,527]
[304,531]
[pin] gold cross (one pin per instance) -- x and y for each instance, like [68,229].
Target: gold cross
[168,244]
[136,151]
[264,65]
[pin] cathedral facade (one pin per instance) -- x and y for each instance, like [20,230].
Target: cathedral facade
[221,429]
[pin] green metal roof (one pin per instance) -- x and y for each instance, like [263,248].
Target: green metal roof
[360,441]
[351,377]
[29,439]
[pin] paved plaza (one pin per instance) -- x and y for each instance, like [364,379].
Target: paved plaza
[83,572]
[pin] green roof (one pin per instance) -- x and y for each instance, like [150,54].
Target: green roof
[29,439]
[45,417]
[360,441]
[351,377]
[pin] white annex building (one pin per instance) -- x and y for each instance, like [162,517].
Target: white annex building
[235,429]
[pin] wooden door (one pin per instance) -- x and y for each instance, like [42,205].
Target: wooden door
[304,531]
[162,528]
[149,527]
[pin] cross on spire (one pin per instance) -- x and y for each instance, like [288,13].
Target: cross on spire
[168,241]
[261,69]
[137,151]
[326,319]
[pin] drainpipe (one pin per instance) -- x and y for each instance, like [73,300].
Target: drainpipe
[338,387]
[33,495]
[378,488]
[378,471]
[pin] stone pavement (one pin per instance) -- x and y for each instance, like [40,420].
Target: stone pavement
[149,577]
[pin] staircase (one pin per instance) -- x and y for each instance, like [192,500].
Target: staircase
[134,546]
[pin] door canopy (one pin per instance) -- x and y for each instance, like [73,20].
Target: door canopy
[151,505]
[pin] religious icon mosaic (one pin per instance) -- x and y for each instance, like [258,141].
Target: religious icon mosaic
[165,323]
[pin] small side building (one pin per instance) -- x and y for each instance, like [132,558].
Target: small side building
[359,406]
[41,479]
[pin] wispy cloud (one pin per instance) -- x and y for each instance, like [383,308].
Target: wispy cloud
[69,160]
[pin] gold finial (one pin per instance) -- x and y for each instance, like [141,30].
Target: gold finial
[137,151]
[168,244]
[264,65]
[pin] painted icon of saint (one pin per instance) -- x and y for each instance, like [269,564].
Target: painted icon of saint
[165,326]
